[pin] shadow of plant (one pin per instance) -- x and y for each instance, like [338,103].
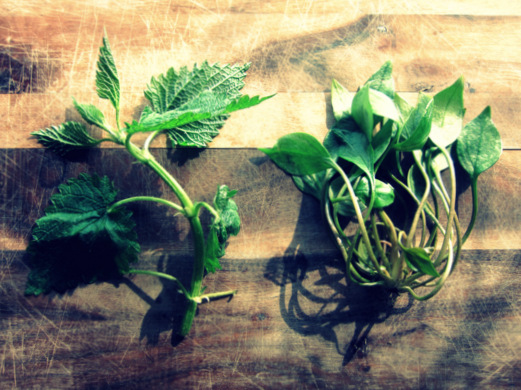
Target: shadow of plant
[316,300]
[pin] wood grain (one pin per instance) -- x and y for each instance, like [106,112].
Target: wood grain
[295,323]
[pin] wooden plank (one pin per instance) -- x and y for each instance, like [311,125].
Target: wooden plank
[294,324]
[274,212]
[288,52]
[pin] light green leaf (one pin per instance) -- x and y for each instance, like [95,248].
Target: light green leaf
[417,125]
[91,114]
[341,100]
[78,241]
[184,90]
[107,81]
[299,154]
[67,137]
[382,80]
[479,145]
[447,115]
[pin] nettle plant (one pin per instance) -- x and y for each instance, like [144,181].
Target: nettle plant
[87,234]
[378,178]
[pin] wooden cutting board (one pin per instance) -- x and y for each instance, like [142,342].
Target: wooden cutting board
[295,323]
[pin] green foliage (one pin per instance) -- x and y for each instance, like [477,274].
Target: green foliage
[87,235]
[228,223]
[385,160]
[65,138]
[299,154]
[107,80]
[78,240]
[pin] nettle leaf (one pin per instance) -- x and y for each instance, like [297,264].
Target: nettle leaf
[67,137]
[447,115]
[228,224]
[91,114]
[418,259]
[78,241]
[107,80]
[479,145]
[184,90]
[346,141]
[299,154]
[197,122]
[417,125]
[341,100]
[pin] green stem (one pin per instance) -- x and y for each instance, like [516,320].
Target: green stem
[421,205]
[145,157]
[163,276]
[361,222]
[146,199]
[216,295]
[474,186]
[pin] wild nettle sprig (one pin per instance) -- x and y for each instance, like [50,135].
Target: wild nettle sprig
[87,235]
[380,169]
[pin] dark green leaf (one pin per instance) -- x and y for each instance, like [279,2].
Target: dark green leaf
[310,184]
[479,145]
[67,137]
[419,260]
[107,80]
[228,224]
[447,115]
[299,154]
[384,196]
[78,241]
[341,100]
[91,114]
[346,141]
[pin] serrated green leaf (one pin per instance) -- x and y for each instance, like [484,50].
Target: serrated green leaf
[67,137]
[447,115]
[78,241]
[299,154]
[479,145]
[341,100]
[174,89]
[184,90]
[91,114]
[107,80]
[419,260]
[228,224]
[197,122]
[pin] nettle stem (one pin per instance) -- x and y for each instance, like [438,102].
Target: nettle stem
[191,213]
